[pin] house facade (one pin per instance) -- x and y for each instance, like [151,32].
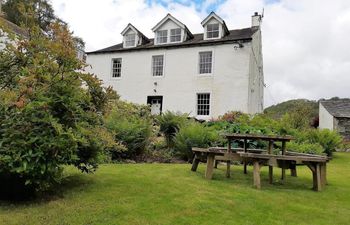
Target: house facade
[204,75]
[335,115]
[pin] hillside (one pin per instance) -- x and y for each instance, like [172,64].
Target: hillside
[277,111]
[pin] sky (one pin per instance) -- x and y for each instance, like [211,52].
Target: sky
[306,43]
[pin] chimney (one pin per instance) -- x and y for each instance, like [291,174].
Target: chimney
[256,20]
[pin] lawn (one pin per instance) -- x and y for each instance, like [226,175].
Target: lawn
[172,194]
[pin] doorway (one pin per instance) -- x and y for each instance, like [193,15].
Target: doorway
[156,103]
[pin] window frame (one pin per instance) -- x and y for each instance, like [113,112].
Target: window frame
[126,40]
[159,37]
[212,31]
[203,104]
[211,65]
[175,35]
[152,65]
[120,68]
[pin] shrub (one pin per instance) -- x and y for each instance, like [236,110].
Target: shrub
[193,135]
[329,140]
[305,147]
[169,124]
[132,126]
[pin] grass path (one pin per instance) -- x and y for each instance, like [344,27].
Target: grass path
[172,194]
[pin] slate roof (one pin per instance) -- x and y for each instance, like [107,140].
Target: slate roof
[16,29]
[197,40]
[338,108]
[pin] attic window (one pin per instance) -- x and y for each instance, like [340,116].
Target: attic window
[130,40]
[213,30]
[175,35]
[162,36]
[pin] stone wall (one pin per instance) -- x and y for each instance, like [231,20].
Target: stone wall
[342,125]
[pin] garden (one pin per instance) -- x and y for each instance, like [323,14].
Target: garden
[73,152]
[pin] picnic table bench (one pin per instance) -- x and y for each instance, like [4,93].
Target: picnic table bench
[259,157]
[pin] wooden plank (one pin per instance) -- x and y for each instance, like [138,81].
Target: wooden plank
[210,166]
[228,169]
[258,137]
[256,174]
[195,163]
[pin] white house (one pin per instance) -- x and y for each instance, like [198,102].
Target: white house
[335,115]
[205,74]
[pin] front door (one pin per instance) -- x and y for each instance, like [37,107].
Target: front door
[156,103]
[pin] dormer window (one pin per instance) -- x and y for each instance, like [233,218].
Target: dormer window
[175,35]
[130,40]
[162,36]
[213,30]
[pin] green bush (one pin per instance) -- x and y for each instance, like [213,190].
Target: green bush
[169,124]
[329,140]
[305,147]
[191,135]
[132,126]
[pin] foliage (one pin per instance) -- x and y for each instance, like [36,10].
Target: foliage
[279,110]
[193,134]
[47,118]
[38,12]
[132,126]
[169,124]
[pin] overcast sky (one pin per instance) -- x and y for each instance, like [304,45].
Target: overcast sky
[306,43]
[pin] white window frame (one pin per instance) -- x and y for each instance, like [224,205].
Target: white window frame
[158,37]
[175,35]
[199,62]
[212,31]
[120,68]
[197,104]
[126,41]
[152,66]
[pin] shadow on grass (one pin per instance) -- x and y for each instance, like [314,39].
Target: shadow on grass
[17,194]
[238,178]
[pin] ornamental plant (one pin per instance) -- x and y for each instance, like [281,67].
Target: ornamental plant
[51,112]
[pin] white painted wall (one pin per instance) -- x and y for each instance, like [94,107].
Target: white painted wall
[325,118]
[228,84]
[256,78]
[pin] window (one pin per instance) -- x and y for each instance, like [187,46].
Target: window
[130,40]
[205,62]
[116,67]
[157,65]
[203,104]
[175,35]
[162,36]
[213,30]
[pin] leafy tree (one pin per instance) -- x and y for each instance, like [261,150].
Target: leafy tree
[41,12]
[51,113]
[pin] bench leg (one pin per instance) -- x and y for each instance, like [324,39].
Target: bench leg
[293,171]
[270,174]
[210,166]
[195,163]
[256,174]
[228,169]
[216,164]
[245,168]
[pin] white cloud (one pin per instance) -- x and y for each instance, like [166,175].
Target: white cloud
[305,43]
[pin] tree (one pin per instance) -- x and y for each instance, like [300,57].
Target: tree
[30,11]
[51,113]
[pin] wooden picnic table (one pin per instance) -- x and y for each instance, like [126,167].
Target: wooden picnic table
[259,157]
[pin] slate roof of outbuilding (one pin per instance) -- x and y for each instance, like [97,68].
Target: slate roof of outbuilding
[197,40]
[338,108]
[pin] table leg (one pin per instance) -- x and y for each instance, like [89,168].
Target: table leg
[283,153]
[256,175]
[293,170]
[216,164]
[245,167]
[210,166]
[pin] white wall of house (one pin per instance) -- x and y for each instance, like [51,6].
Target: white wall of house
[325,118]
[228,84]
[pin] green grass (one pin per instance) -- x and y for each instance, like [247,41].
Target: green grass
[172,194]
